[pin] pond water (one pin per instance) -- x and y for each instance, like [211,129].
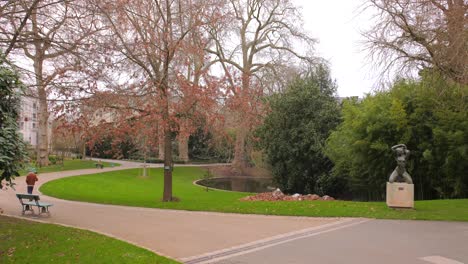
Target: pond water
[239,184]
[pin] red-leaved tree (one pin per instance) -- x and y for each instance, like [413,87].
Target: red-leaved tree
[148,41]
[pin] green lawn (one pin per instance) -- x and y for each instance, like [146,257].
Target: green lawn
[75,164]
[126,187]
[23,241]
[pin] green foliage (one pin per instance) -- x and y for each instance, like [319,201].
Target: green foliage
[12,147]
[429,116]
[294,132]
[203,146]
[53,159]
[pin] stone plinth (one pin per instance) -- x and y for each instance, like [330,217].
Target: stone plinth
[400,195]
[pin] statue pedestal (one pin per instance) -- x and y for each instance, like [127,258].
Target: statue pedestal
[400,195]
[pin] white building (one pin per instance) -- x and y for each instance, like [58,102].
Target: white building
[28,122]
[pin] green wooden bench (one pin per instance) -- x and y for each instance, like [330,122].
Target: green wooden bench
[99,165]
[29,200]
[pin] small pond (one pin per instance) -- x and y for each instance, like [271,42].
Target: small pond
[239,184]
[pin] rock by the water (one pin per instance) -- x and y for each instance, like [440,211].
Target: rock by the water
[277,193]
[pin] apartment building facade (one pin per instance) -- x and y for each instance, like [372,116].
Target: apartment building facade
[28,121]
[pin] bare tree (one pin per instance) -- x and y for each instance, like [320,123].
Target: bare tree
[410,35]
[196,109]
[147,38]
[24,14]
[49,37]
[258,35]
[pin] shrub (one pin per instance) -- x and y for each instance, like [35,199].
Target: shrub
[429,116]
[294,132]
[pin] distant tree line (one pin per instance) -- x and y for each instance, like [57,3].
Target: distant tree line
[429,116]
[310,150]
[203,146]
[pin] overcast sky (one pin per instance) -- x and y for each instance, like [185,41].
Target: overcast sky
[337,24]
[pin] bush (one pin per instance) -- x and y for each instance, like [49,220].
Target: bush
[154,160]
[53,159]
[294,132]
[206,147]
[429,116]
[12,148]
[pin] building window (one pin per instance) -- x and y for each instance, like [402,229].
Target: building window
[21,125]
[34,125]
[34,106]
[34,116]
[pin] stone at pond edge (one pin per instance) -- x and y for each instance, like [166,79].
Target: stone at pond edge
[277,193]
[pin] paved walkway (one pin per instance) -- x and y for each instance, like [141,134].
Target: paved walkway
[182,235]
[375,241]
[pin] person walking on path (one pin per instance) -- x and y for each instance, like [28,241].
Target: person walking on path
[31,179]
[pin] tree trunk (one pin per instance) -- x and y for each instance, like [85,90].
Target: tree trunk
[160,144]
[83,156]
[145,157]
[183,147]
[43,116]
[167,195]
[240,156]
[43,144]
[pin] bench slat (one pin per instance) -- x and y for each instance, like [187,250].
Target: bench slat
[38,204]
[27,196]
[45,204]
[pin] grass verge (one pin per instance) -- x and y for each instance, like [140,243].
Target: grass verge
[75,164]
[127,187]
[31,242]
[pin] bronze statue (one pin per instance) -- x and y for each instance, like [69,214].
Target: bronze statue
[400,174]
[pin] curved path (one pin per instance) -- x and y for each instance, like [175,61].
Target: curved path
[188,236]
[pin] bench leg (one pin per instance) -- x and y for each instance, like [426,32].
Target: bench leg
[26,207]
[44,210]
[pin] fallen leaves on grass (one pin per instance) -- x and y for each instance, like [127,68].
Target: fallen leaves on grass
[11,251]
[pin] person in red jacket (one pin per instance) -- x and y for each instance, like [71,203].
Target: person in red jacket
[31,179]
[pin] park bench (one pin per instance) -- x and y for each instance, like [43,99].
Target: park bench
[99,165]
[29,200]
